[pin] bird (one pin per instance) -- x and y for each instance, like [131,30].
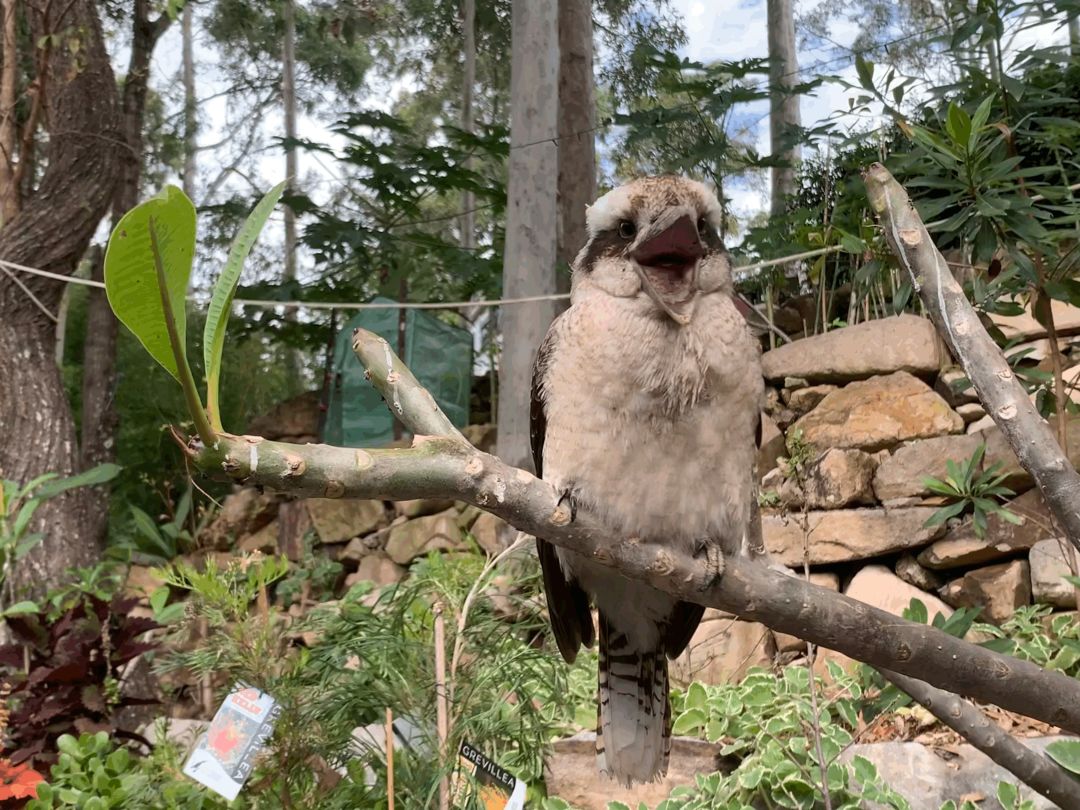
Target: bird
[645,413]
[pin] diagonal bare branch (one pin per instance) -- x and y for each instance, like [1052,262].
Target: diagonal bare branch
[1038,772]
[1004,398]
[448,467]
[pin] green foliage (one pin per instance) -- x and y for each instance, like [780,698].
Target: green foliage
[158,543]
[316,572]
[971,489]
[1008,796]
[217,313]
[509,698]
[18,503]
[799,454]
[92,773]
[770,721]
[158,233]
[1034,633]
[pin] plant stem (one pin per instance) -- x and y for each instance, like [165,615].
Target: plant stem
[183,370]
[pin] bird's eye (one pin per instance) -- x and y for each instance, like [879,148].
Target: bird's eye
[702,225]
[627,230]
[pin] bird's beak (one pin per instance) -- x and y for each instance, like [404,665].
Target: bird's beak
[666,258]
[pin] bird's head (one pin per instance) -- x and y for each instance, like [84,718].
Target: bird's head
[655,239]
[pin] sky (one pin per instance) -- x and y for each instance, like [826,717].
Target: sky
[716,30]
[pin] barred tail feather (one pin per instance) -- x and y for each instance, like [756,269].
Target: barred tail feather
[633,735]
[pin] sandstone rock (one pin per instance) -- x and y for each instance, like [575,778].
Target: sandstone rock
[909,570]
[291,420]
[848,534]
[961,547]
[955,388]
[997,449]
[141,581]
[905,343]
[338,519]
[804,400]
[878,586]
[417,537]
[377,568]
[264,540]
[879,413]
[901,475]
[360,547]
[772,444]
[971,412]
[570,772]
[838,478]
[1049,567]
[482,437]
[722,650]
[997,589]
[927,779]
[493,534]
[1026,327]
[467,516]
[785,643]
[242,512]
[422,506]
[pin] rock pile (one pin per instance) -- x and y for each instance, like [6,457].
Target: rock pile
[858,419]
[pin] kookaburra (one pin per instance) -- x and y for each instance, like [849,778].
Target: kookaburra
[645,406]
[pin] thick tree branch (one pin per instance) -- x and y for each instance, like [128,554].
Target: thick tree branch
[447,467]
[1036,771]
[999,391]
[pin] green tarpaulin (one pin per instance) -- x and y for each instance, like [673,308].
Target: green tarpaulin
[438,354]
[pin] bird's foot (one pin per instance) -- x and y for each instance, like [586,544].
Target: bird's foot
[714,561]
[568,497]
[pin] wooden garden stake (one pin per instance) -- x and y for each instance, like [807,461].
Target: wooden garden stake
[441,709]
[389,758]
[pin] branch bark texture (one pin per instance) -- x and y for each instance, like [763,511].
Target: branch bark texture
[1004,398]
[446,466]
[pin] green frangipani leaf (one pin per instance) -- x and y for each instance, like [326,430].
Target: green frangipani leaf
[131,282]
[100,474]
[217,316]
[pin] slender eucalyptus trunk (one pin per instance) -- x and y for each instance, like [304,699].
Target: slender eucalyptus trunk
[577,121]
[531,231]
[191,123]
[51,231]
[784,113]
[1074,35]
[288,100]
[468,200]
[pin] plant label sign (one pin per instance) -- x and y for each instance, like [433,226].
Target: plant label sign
[225,755]
[494,787]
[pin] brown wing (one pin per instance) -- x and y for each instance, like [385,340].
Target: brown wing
[568,604]
[680,627]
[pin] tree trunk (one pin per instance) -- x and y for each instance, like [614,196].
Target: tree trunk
[288,100]
[468,82]
[783,105]
[191,125]
[529,259]
[99,417]
[577,119]
[9,71]
[51,232]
